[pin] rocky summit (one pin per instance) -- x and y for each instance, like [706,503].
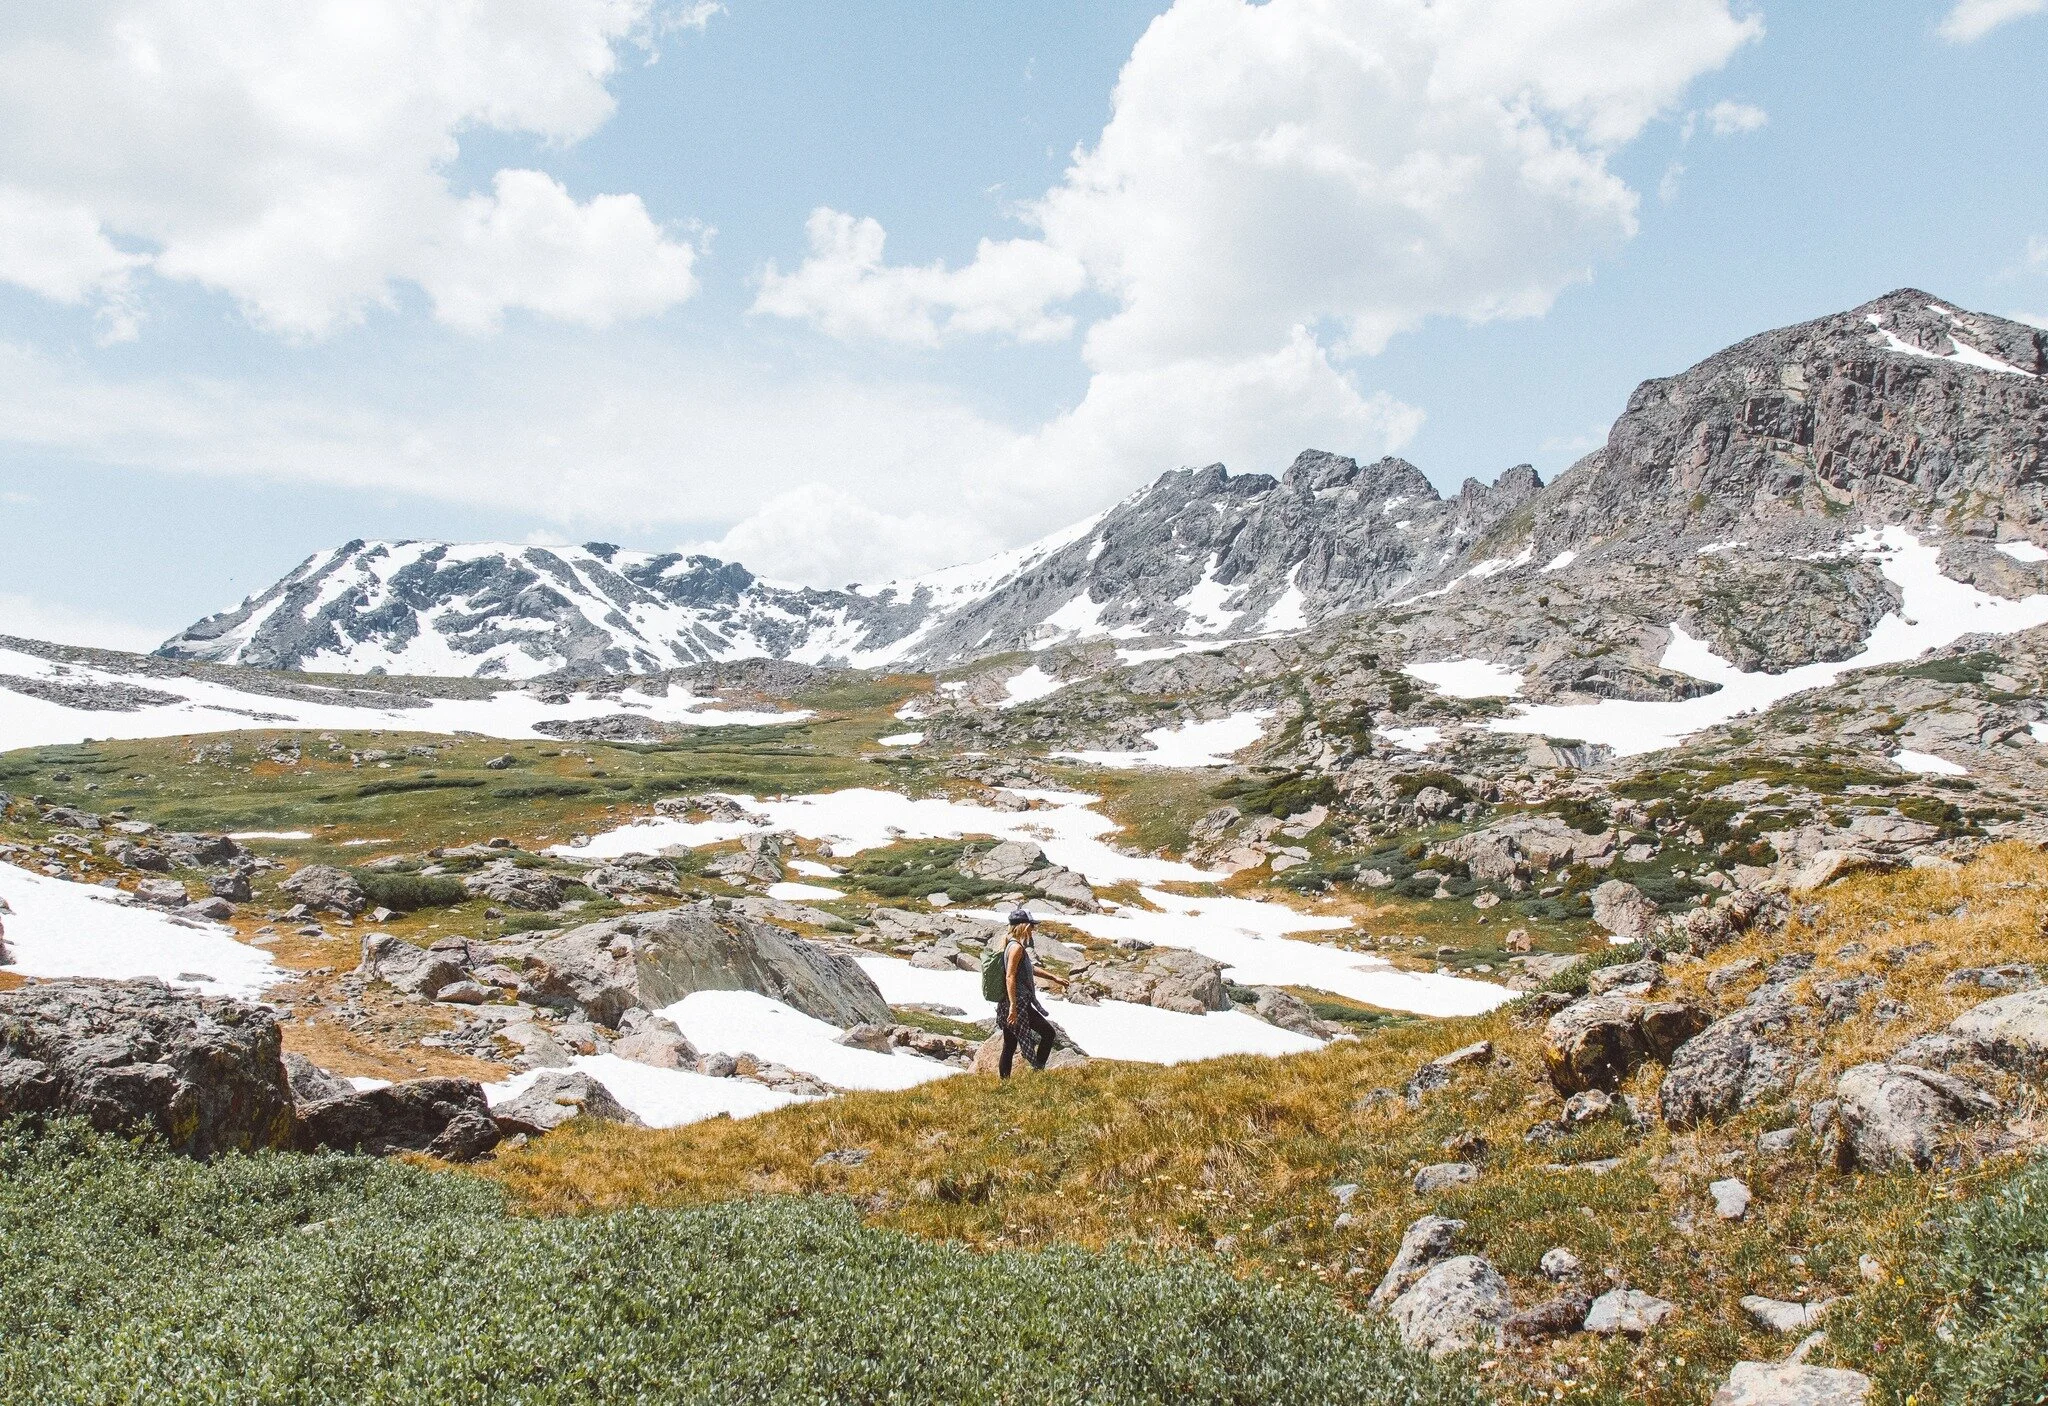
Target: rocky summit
[1723,503]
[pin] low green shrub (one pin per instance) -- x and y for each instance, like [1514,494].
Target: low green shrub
[129,1275]
[408,893]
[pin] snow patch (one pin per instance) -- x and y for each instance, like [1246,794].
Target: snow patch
[1561,560]
[59,928]
[2023,551]
[1189,745]
[1467,678]
[1411,739]
[1028,687]
[1205,604]
[1290,612]
[745,1022]
[902,739]
[1927,764]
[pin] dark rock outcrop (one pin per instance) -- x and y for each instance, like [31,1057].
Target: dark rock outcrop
[445,1118]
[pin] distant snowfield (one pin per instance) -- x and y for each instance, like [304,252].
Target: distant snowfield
[1936,612]
[58,928]
[207,707]
[1244,933]
[1029,686]
[1199,744]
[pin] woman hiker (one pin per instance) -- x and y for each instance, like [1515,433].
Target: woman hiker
[1019,1006]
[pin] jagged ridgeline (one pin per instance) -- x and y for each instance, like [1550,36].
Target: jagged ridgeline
[1906,409]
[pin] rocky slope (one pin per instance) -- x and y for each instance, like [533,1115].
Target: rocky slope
[1721,503]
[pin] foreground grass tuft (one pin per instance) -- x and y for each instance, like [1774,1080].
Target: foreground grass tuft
[129,1275]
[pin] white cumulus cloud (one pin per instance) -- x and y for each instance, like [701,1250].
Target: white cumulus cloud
[1970,20]
[1728,119]
[296,157]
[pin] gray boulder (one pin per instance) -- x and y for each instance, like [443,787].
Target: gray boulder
[1457,1304]
[419,970]
[1424,1243]
[326,889]
[556,1097]
[203,1073]
[1621,908]
[1554,1318]
[1896,1115]
[651,960]
[534,890]
[1784,1316]
[653,1040]
[759,858]
[1442,1176]
[312,1084]
[1007,862]
[1170,978]
[2008,1031]
[445,1118]
[162,893]
[1290,1012]
[1728,1066]
[1635,978]
[1792,1384]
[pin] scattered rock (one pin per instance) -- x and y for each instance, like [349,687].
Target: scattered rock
[555,1098]
[1629,1311]
[1559,1263]
[1728,1066]
[1635,978]
[533,890]
[1555,1318]
[1731,1198]
[203,1073]
[1441,1176]
[401,965]
[1456,1304]
[1595,1043]
[162,893]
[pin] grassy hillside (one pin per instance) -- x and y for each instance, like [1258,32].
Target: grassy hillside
[132,1276]
[1243,1154]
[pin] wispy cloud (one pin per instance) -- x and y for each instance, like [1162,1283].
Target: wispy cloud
[1971,20]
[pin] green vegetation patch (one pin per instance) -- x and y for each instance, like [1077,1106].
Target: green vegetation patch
[408,893]
[130,1275]
[923,867]
[1963,669]
[1282,796]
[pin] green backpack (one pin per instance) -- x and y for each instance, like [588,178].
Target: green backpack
[994,983]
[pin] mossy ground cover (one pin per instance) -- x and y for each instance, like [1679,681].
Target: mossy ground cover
[127,1275]
[1249,1149]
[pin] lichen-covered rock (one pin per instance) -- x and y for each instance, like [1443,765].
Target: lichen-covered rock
[1456,1304]
[1896,1115]
[1424,1243]
[1728,1066]
[445,1118]
[326,889]
[203,1073]
[2009,1031]
[1627,1311]
[556,1097]
[312,1084]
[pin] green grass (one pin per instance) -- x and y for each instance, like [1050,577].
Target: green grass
[128,1275]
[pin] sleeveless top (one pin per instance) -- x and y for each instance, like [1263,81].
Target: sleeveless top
[1027,988]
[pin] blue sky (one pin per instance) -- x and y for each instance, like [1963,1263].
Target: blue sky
[608,268]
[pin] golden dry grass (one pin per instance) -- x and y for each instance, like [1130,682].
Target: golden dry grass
[1250,1148]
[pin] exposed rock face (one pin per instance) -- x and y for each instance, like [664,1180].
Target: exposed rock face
[1729,1066]
[554,1098]
[759,858]
[1792,1384]
[2010,1031]
[1896,1115]
[1461,1302]
[1595,1043]
[1290,1012]
[325,889]
[202,1073]
[1023,863]
[446,1118]
[653,960]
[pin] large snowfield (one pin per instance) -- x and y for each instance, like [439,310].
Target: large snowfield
[57,928]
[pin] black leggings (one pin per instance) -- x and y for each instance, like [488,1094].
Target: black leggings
[1035,1020]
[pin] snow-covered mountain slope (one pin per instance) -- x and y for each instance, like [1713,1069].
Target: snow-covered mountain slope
[1723,498]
